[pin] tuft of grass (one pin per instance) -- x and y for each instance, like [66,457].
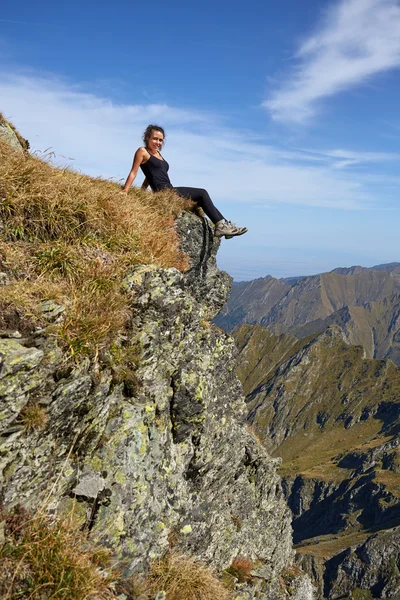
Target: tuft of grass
[360,594]
[72,238]
[42,559]
[125,361]
[34,417]
[58,260]
[241,569]
[182,577]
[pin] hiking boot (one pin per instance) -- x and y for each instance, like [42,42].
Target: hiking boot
[228,229]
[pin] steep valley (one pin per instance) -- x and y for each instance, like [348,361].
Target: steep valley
[333,415]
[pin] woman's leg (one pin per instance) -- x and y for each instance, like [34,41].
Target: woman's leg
[202,198]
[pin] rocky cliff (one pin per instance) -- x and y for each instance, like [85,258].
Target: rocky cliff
[156,455]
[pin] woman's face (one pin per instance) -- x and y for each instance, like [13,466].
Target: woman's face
[155,141]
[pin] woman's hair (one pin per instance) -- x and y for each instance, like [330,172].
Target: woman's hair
[149,130]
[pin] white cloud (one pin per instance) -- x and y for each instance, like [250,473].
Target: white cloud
[341,158]
[234,166]
[357,40]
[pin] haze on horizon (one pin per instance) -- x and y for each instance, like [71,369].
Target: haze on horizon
[287,114]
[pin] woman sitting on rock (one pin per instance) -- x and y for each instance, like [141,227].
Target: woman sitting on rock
[155,170]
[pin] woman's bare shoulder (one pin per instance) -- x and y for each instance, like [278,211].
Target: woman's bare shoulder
[141,150]
[142,153]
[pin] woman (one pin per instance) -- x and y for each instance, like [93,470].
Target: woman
[155,170]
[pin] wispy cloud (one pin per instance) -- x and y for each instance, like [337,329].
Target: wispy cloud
[356,40]
[341,158]
[235,166]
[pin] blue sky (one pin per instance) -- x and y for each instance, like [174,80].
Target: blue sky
[286,112]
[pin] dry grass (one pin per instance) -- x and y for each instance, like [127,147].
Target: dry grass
[72,238]
[181,578]
[315,456]
[390,480]
[34,417]
[327,546]
[241,569]
[42,559]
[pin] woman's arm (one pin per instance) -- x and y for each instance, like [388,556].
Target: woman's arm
[145,184]
[137,161]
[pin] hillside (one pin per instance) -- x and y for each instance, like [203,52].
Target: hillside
[70,238]
[334,417]
[363,302]
[126,471]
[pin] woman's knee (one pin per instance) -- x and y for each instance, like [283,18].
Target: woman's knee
[203,194]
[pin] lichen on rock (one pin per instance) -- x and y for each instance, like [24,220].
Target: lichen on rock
[167,462]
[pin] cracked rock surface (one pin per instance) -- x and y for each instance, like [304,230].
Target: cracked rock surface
[167,462]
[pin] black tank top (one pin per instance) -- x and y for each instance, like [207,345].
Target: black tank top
[156,172]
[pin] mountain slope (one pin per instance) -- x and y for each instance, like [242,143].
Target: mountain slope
[365,303]
[334,417]
[374,325]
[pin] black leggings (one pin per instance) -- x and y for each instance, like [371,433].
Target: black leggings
[202,198]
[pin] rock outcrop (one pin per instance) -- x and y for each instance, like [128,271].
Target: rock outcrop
[372,565]
[10,135]
[159,456]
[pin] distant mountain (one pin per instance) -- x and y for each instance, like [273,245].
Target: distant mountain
[393,267]
[374,325]
[364,302]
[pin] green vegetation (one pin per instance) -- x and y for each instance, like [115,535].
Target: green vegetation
[71,238]
[330,414]
[326,546]
[359,594]
[319,397]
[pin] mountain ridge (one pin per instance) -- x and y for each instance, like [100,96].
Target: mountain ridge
[363,301]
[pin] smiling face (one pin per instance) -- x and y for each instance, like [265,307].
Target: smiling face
[155,141]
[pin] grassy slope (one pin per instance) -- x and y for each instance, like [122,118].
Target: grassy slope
[326,402]
[261,353]
[72,238]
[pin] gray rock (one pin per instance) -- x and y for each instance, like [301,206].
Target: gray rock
[7,134]
[51,310]
[370,566]
[18,377]
[89,486]
[172,459]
